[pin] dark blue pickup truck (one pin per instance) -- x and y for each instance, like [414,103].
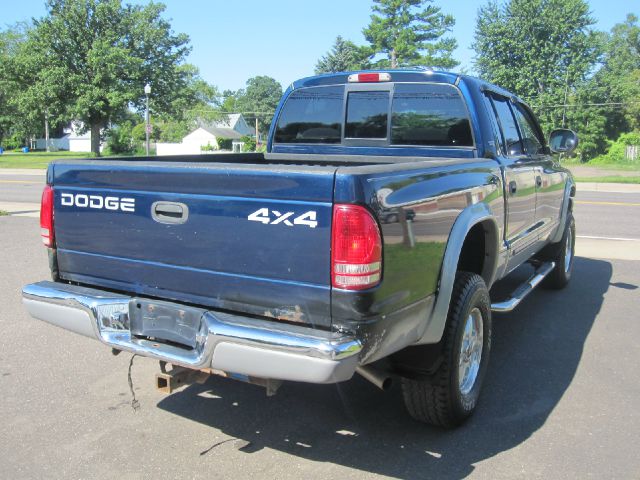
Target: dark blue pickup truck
[365,240]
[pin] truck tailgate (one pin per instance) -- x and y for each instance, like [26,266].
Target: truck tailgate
[252,238]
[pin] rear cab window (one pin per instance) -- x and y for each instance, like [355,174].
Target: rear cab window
[432,114]
[312,115]
[367,114]
[400,114]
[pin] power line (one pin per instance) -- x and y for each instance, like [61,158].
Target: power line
[197,110]
[577,105]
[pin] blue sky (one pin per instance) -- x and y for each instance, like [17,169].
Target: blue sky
[235,40]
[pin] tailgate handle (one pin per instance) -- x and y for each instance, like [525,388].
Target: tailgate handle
[170,212]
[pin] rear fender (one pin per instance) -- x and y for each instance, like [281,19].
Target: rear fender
[470,216]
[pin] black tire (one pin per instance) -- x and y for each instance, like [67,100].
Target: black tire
[561,274]
[440,399]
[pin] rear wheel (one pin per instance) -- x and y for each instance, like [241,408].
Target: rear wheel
[450,395]
[563,255]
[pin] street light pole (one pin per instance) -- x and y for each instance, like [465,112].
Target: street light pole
[147,126]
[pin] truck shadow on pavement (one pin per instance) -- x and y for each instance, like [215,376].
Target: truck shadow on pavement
[536,352]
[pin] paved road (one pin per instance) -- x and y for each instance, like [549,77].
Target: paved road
[21,187]
[608,214]
[561,400]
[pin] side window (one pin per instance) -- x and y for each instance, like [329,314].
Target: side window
[533,143]
[367,114]
[508,126]
[495,128]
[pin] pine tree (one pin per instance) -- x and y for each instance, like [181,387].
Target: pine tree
[410,32]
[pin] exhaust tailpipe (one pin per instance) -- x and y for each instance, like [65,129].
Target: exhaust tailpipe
[379,378]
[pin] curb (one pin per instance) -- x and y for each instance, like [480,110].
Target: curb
[608,187]
[19,209]
[24,171]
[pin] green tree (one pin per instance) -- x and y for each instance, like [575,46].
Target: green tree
[93,57]
[618,81]
[410,32]
[343,57]
[542,50]
[230,100]
[14,121]
[198,100]
[196,103]
[260,100]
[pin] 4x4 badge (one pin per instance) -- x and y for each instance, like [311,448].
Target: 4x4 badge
[274,217]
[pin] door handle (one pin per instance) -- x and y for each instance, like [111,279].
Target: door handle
[538,181]
[513,187]
[173,213]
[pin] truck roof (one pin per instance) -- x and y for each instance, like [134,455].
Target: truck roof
[414,74]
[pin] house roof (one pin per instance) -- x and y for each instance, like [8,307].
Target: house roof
[228,122]
[222,132]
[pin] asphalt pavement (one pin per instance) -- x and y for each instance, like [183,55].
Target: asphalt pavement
[560,399]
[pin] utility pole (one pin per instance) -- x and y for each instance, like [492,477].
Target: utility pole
[46,130]
[147,126]
[257,134]
[566,93]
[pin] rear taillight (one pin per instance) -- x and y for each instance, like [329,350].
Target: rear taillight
[356,248]
[46,216]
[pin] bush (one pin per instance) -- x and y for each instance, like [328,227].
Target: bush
[208,147]
[225,143]
[249,144]
[120,140]
[14,142]
[618,149]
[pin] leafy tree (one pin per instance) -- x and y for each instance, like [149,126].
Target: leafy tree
[617,153]
[13,122]
[230,100]
[93,58]
[260,100]
[618,81]
[343,57]
[196,101]
[173,131]
[410,32]
[120,138]
[542,50]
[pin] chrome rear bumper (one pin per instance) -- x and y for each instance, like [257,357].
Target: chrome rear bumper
[226,342]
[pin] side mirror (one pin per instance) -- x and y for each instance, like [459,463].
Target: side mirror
[563,141]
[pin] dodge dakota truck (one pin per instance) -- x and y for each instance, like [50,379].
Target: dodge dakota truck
[366,239]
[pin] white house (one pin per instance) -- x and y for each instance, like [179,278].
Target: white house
[206,136]
[72,140]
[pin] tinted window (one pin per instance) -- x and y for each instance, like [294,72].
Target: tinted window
[533,144]
[429,115]
[311,115]
[495,128]
[367,114]
[511,137]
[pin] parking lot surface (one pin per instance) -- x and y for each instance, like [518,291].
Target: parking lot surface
[560,399]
